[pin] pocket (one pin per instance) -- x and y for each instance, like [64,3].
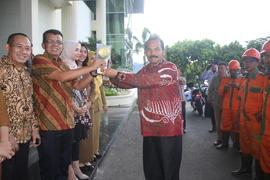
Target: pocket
[255,90]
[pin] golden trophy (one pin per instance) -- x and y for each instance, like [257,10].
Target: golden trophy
[104,53]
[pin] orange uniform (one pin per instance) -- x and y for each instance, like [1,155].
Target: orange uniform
[230,106]
[251,97]
[265,130]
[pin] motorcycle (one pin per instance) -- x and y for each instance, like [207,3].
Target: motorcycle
[197,101]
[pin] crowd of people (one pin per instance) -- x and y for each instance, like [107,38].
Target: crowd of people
[55,107]
[239,100]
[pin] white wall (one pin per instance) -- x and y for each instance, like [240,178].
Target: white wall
[84,22]
[33,17]
[76,21]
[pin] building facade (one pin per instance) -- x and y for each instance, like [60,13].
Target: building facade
[76,19]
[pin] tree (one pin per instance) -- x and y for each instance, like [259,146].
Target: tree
[229,52]
[192,56]
[131,42]
[257,43]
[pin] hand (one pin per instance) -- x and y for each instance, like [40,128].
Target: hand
[98,63]
[6,150]
[105,108]
[110,73]
[182,80]
[80,110]
[35,138]
[87,105]
[13,142]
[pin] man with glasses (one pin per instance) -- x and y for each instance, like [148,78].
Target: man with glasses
[16,85]
[53,83]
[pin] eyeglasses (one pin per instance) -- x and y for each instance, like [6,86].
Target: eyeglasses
[50,41]
[21,47]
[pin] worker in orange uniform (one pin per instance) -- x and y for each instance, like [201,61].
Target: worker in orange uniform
[265,130]
[228,89]
[251,102]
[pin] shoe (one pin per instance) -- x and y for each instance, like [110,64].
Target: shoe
[212,130]
[98,156]
[217,142]
[222,146]
[82,176]
[241,171]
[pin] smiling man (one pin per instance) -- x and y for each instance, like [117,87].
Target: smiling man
[53,83]
[16,85]
[160,111]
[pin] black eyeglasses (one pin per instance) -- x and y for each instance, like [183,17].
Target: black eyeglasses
[50,41]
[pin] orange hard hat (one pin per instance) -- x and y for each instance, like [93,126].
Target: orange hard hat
[252,52]
[266,47]
[234,65]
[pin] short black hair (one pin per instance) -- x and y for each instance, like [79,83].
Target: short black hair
[12,36]
[216,62]
[154,37]
[51,31]
[222,64]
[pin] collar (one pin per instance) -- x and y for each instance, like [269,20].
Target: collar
[51,59]
[157,64]
[8,61]
[254,74]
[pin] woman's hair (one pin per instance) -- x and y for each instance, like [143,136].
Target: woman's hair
[85,62]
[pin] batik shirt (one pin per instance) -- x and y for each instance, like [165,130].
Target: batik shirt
[53,99]
[158,98]
[16,85]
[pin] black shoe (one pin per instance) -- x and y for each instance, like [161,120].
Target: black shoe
[98,156]
[217,142]
[222,146]
[241,171]
[212,130]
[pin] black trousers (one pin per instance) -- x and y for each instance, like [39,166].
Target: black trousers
[184,113]
[162,157]
[55,154]
[212,116]
[16,168]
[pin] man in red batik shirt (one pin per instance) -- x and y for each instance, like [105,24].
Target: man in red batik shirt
[160,111]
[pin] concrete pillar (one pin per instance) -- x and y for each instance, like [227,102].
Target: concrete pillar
[69,21]
[101,20]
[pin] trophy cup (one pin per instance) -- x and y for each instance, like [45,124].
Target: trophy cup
[104,53]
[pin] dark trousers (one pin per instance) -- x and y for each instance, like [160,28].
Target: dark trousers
[162,157]
[184,113]
[212,117]
[75,150]
[16,168]
[55,154]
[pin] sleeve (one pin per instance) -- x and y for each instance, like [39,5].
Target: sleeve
[211,91]
[143,79]
[102,94]
[221,87]
[4,120]
[43,67]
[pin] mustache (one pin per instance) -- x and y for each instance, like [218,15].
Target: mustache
[153,56]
